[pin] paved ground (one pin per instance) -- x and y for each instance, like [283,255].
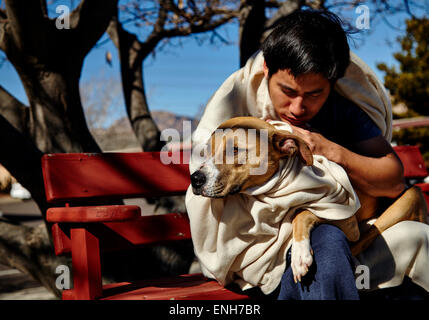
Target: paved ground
[15,285]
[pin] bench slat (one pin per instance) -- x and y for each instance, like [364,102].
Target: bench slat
[183,287]
[93,214]
[412,159]
[125,235]
[77,176]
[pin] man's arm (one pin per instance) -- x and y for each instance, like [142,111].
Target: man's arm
[374,168]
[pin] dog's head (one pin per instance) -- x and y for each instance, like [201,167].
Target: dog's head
[245,152]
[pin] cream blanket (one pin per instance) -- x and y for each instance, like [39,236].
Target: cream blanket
[244,237]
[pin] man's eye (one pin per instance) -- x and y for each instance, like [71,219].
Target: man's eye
[290,94]
[314,95]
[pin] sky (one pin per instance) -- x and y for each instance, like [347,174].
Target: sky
[181,78]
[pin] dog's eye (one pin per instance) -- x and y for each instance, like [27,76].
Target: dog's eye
[236,150]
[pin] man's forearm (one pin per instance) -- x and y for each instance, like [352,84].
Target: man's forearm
[378,177]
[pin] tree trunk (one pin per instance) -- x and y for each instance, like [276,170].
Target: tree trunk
[252,22]
[27,249]
[285,9]
[131,57]
[48,61]
[56,121]
[255,27]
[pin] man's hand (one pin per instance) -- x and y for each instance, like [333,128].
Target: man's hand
[318,143]
[376,169]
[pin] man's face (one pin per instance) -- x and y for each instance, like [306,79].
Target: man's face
[297,100]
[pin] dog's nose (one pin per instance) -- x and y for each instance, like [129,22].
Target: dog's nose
[198,179]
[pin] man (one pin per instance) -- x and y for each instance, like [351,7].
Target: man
[304,57]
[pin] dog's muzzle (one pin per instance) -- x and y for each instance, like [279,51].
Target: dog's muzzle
[198,179]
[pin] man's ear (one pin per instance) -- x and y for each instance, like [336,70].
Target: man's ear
[289,144]
[265,70]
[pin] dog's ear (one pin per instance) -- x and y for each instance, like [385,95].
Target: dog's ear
[289,144]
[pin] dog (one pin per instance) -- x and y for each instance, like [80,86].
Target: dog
[218,179]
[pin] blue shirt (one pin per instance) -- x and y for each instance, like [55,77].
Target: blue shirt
[343,122]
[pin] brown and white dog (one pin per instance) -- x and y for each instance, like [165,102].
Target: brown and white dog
[217,179]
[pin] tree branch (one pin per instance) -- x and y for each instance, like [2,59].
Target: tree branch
[89,21]
[3,22]
[44,8]
[3,14]
[197,28]
[162,16]
[131,59]
[284,9]
[252,22]
[22,160]
[28,23]
[13,110]
[198,24]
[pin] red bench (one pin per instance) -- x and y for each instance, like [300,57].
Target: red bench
[87,231]
[414,167]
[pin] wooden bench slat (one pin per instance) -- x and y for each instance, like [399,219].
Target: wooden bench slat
[114,236]
[93,214]
[112,175]
[183,287]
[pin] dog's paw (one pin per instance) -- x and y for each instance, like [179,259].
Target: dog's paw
[301,258]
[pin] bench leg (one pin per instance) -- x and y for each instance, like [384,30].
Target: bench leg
[86,265]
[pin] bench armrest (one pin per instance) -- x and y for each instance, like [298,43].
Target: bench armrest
[112,213]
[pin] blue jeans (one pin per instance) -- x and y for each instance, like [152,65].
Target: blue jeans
[330,277]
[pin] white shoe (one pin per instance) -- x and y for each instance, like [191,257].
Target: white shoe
[19,192]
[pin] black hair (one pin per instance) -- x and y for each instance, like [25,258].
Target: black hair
[308,41]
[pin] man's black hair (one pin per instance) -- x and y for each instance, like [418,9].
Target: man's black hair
[308,41]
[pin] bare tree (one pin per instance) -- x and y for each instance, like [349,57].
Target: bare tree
[49,62]
[258,17]
[162,20]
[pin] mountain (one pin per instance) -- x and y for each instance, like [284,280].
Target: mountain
[165,120]
[120,136]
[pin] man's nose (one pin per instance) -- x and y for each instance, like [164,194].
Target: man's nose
[296,107]
[198,179]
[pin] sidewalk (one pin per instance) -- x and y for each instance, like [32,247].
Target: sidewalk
[14,285]
[16,210]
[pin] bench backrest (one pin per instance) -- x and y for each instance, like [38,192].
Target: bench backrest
[80,176]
